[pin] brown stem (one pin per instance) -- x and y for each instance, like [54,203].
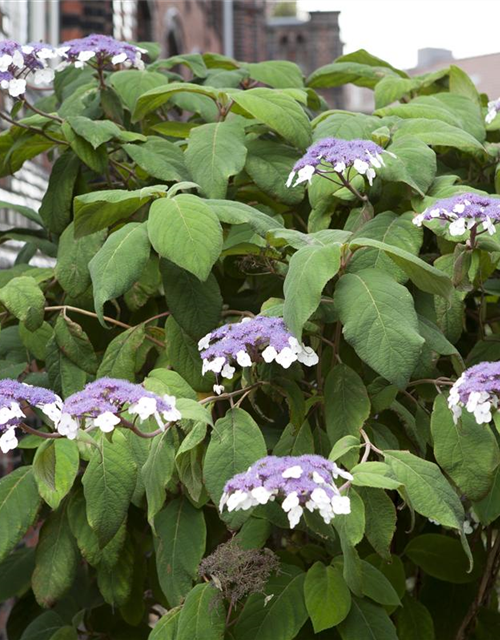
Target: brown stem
[352,188]
[482,591]
[42,113]
[31,129]
[40,434]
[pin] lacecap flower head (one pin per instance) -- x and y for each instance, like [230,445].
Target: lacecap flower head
[463,212]
[478,390]
[101,402]
[12,395]
[301,482]
[335,156]
[249,341]
[493,109]
[99,50]
[18,63]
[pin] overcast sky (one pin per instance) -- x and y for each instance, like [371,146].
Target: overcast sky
[395,29]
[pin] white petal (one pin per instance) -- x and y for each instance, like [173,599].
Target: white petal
[8,440]
[243,359]
[227,371]
[294,516]
[269,354]
[291,176]
[107,421]
[293,472]
[17,87]
[120,57]
[204,342]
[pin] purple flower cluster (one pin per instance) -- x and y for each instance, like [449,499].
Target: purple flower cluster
[333,155]
[493,109]
[249,341]
[18,62]
[12,394]
[301,481]
[477,390]
[100,50]
[463,211]
[100,403]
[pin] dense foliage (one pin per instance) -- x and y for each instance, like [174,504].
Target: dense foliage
[169,215]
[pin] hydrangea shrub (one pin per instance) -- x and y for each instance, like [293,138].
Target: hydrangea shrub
[253,393]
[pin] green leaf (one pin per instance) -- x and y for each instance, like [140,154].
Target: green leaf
[167,626]
[55,209]
[65,376]
[186,231]
[488,509]
[269,163]
[254,533]
[95,132]
[19,505]
[101,209]
[328,599]
[118,264]
[467,451]
[439,134]
[74,343]
[425,276]
[415,164]
[15,573]
[215,152]
[120,357]
[380,515]
[180,545]
[73,257]
[434,337]
[295,440]
[55,467]
[36,341]
[414,622]
[25,300]
[283,615]
[27,212]
[56,559]
[347,405]
[43,627]
[95,159]
[279,74]
[158,96]
[232,212]
[343,446]
[163,381]
[194,62]
[202,617]
[85,537]
[309,271]
[442,557]
[108,484]
[380,323]
[115,582]
[157,471]
[131,84]
[279,111]
[351,527]
[374,474]
[183,355]
[426,489]
[196,306]
[235,444]
[377,587]
[160,158]
[367,621]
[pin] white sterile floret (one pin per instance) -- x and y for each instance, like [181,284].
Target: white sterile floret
[68,426]
[307,356]
[17,87]
[145,408]
[468,528]
[418,220]
[215,366]
[218,389]
[341,505]
[305,174]
[261,495]
[120,57]
[291,176]
[227,371]
[8,440]
[488,226]
[318,479]
[457,227]
[52,410]
[43,76]
[107,421]
[294,516]
[84,56]
[291,501]
[339,167]
[204,342]
[243,359]
[223,500]
[173,414]
[361,166]
[293,472]
[269,354]
[239,500]
[8,413]
[286,357]
[18,59]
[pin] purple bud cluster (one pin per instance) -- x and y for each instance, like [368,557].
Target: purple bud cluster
[101,402]
[299,481]
[463,211]
[333,155]
[99,50]
[20,62]
[12,395]
[249,341]
[478,390]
